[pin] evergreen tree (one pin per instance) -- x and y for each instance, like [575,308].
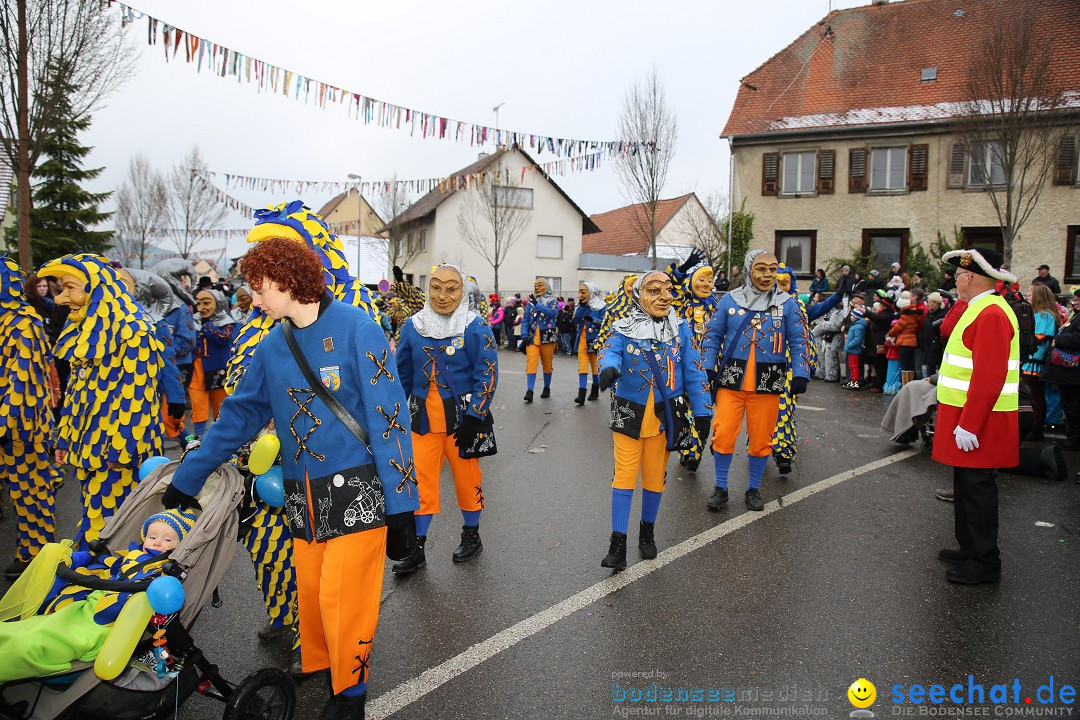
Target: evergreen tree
[63,212]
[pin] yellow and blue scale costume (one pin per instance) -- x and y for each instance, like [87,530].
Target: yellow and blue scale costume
[268,541]
[25,418]
[111,419]
[785,440]
[617,307]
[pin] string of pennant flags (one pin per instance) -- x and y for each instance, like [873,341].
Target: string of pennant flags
[223,61]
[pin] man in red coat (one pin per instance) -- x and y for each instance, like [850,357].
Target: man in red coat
[977,427]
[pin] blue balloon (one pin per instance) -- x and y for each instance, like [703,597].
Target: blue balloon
[270,487]
[151,464]
[165,594]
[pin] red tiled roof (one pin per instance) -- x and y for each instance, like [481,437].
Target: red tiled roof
[621,229]
[862,66]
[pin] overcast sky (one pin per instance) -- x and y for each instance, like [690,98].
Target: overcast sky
[559,67]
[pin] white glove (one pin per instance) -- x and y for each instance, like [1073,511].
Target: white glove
[965,440]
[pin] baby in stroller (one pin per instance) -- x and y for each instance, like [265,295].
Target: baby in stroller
[76,620]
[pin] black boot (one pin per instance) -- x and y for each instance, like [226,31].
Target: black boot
[691,463]
[343,707]
[718,499]
[783,464]
[546,392]
[470,545]
[1052,463]
[580,396]
[616,555]
[413,562]
[754,501]
[594,394]
[528,396]
[646,545]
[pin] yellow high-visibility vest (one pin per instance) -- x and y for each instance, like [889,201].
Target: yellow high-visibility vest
[954,376]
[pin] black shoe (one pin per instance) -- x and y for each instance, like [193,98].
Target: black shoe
[296,667]
[945,494]
[971,574]
[718,499]
[1052,462]
[528,396]
[646,545]
[546,393]
[594,393]
[692,464]
[953,557]
[470,545]
[616,556]
[15,569]
[342,707]
[269,631]
[783,465]
[414,562]
[753,500]
[580,396]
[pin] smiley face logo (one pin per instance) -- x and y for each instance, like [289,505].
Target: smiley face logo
[862,693]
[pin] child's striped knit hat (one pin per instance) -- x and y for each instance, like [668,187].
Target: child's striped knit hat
[179,520]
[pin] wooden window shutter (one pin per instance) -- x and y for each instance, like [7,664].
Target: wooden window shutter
[770,174]
[826,172]
[1065,163]
[857,170]
[918,167]
[957,165]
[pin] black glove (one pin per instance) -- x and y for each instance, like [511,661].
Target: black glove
[608,376]
[467,430]
[695,258]
[399,276]
[798,385]
[703,425]
[400,535]
[523,347]
[176,410]
[174,497]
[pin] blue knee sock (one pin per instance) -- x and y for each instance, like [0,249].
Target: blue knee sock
[530,380]
[356,690]
[547,380]
[423,522]
[471,517]
[757,471]
[650,505]
[620,509]
[199,428]
[582,380]
[595,379]
[723,464]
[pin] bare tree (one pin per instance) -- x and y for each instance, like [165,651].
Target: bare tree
[142,208]
[401,244]
[1010,127]
[39,38]
[648,121]
[706,231]
[193,205]
[494,214]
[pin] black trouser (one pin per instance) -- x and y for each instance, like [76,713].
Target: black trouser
[1070,405]
[975,515]
[1037,390]
[880,363]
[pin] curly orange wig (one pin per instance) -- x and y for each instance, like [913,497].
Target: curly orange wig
[293,267]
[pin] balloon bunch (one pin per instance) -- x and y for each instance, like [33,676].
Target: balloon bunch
[268,481]
[164,596]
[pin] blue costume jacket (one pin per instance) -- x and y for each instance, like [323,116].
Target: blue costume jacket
[540,315]
[771,331]
[347,488]
[182,323]
[682,379]
[588,321]
[472,360]
[214,345]
[171,385]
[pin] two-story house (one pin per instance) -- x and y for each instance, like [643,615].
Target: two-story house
[844,141]
[546,245]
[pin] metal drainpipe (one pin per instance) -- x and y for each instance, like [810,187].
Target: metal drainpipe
[731,202]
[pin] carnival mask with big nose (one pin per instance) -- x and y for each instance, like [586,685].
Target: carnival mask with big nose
[763,271]
[206,304]
[783,281]
[583,295]
[445,290]
[74,294]
[540,287]
[703,282]
[656,294]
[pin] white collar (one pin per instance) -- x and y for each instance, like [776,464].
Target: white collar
[982,294]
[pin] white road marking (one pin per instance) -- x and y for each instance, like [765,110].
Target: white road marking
[412,690]
[809,407]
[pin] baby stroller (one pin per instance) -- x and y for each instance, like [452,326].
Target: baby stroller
[911,414]
[199,561]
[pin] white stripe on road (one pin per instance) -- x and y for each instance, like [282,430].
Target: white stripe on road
[410,691]
[809,407]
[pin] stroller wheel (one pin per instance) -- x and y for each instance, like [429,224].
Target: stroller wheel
[267,694]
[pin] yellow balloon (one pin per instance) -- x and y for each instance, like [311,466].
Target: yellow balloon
[125,635]
[263,453]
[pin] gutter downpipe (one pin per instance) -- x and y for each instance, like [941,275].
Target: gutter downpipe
[731,201]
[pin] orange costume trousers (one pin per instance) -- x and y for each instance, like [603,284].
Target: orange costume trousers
[537,352]
[203,400]
[647,455]
[431,450]
[339,583]
[760,411]
[585,359]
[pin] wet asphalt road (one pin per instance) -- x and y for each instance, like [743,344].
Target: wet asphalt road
[771,612]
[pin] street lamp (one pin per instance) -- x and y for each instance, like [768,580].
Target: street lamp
[359,214]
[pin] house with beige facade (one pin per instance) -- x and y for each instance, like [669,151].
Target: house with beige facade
[844,142]
[548,244]
[622,245]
